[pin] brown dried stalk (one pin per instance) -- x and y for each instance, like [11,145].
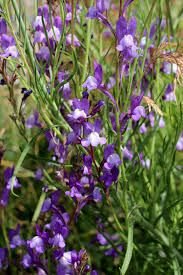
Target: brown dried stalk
[152,104]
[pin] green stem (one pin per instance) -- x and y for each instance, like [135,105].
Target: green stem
[38,208]
[129,250]
[87,43]
[35,8]
[4,232]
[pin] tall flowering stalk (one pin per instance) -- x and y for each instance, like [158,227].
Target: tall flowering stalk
[94,184]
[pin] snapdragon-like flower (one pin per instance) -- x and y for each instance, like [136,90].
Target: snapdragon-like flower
[169,95]
[179,144]
[14,237]
[87,165]
[92,132]
[137,111]
[111,162]
[8,174]
[81,109]
[95,82]
[8,46]
[3,256]
[3,26]
[97,12]
[38,242]
[33,120]
[127,44]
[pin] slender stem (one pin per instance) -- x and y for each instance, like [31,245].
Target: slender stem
[129,250]
[38,208]
[87,45]
[4,231]
[35,8]
[72,23]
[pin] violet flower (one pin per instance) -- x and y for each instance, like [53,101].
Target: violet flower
[127,44]
[169,95]
[26,261]
[179,144]
[3,256]
[33,120]
[38,242]
[3,26]
[112,159]
[92,132]
[14,237]
[38,174]
[95,82]
[8,174]
[80,110]
[9,46]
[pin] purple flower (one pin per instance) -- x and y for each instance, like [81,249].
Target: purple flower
[112,251]
[143,128]
[9,46]
[179,144]
[126,153]
[161,123]
[138,112]
[33,120]
[14,237]
[74,193]
[112,159]
[43,53]
[57,240]
[75,40]
[126,37]
[95,82]
[91,83]
[145,163]
[169,95]
[58,223]
[110,176]
[8,174]
[3,26]
[38,174]
[87,165]
[92,132]
[3,255]
[81,109]
[168,68]
[97,196]
[26,261]
[66,90]
[37,243]
[101,239]
[92,13]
